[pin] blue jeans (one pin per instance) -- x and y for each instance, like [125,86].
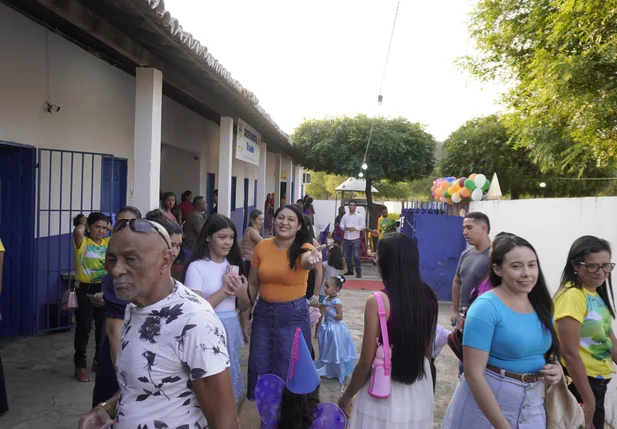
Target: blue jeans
[350,246]
[521,404]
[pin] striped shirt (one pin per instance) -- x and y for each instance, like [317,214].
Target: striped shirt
[91,260]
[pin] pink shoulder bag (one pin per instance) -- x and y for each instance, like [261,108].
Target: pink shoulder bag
[381,383]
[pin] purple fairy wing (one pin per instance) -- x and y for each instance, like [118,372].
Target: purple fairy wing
[268,394]
[329,416]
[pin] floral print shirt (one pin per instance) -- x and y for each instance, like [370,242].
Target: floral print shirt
[166,346]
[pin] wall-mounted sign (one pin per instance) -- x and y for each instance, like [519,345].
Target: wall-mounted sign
[248,142]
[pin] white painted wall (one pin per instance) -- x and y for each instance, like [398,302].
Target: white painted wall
[179,171]
[185,136]
[97,114]
[97,101]
[97,111]
[551,226]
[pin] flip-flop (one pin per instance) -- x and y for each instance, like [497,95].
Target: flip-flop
[82,375]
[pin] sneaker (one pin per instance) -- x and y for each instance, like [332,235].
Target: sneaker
[358,275]
[348,273]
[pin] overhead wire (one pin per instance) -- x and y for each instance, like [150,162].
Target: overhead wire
[383,78]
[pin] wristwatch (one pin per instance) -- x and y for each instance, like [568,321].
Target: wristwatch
[108,408]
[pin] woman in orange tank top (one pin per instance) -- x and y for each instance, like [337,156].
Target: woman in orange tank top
[279,271]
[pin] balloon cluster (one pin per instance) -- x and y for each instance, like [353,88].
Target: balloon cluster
[451,190]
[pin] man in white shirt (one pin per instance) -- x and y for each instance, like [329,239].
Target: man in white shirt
[173,365]
[353,224]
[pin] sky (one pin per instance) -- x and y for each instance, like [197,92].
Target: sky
[313,59]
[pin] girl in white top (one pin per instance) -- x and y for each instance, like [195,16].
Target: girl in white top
[215,271]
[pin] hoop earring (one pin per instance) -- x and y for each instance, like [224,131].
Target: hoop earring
[575,272]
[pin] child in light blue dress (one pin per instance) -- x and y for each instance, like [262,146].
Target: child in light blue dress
[337,351]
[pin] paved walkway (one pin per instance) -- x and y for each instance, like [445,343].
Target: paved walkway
[43,394]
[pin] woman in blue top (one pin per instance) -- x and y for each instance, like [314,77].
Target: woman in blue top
[509,346]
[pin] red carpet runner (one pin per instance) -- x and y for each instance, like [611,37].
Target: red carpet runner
[363,284]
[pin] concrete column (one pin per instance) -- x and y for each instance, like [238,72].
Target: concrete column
[298,170]
[277,180]
[226,150]
[289,166]
[147,143]
[260,203]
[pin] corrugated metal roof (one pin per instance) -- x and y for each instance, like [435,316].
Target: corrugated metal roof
[196,48]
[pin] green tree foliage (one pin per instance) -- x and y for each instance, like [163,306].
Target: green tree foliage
[481,146]
[559,57]
[399,150]
[323,185]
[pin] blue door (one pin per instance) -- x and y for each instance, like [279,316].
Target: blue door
[17,233]
[246,204]
[113,185]
[234,188]
[209,189]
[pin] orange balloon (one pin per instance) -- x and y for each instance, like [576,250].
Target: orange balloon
[445,185]
[465,193]
[456,186]
[439,193]
[472,176]
[449,201]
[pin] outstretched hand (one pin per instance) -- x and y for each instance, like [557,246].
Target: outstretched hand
[315,257]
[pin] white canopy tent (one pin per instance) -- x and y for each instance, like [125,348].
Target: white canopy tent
[355,185]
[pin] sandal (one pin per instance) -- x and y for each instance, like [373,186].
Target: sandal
[82,375]
[95,365]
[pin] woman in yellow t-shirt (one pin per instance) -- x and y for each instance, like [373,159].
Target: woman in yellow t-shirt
[583,318]
[279,273]
[89,273]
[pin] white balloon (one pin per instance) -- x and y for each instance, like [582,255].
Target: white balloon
[480,180]
[477,194]
[443,199]
[456,198]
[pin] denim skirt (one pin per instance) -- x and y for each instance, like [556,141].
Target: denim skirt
[521,404]
[272,335]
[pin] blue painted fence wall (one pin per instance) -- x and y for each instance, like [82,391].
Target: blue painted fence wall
[439,234]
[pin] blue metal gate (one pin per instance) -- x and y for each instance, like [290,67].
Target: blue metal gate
[438,230]
[69,183]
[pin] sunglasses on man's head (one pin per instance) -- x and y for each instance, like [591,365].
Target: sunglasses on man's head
[140,225]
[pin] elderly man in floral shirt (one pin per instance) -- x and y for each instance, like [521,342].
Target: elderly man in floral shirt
[173,366]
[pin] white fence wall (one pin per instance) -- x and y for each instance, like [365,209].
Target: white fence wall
[552,225]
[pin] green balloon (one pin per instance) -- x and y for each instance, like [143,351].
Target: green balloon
[487,185]
[470,184]
[447,194]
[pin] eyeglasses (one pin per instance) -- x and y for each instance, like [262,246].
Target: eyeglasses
[594,268]
[140,225]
